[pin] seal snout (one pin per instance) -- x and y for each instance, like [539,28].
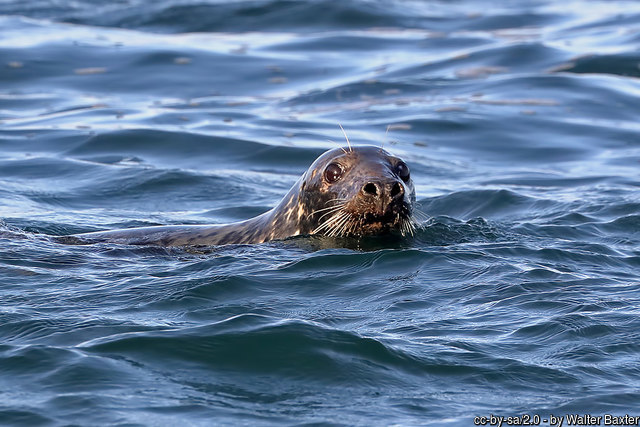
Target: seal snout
[380,189]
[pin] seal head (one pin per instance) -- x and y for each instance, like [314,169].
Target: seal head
[360,191]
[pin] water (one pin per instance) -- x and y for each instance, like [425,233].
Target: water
[518,295]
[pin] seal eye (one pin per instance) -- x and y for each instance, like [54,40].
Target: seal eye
[402,170]
[332,173]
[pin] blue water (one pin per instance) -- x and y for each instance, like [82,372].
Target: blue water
[519,294]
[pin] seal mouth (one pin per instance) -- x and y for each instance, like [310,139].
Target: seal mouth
[358,220]
[393,218]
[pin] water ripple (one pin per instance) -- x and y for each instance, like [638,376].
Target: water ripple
[519,292]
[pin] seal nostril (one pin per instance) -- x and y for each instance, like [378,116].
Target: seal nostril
[396,190]
[371,189]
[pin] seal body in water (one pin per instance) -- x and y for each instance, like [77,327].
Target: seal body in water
[362,190]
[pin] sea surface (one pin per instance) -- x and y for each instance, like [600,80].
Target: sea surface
[518,295]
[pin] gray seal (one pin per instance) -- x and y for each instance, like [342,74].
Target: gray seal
[355,191]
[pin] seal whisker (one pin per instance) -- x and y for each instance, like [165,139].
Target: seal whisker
[341,202]
[330,210]
[342,148]
[347,138]
[355,222]
[411,225]
[322,226]
[337,200]
[342,199]
[386,133]
[330,222]
[338,206]
[406,225]
[349,226]
[407,230]
[336,226]
[330,227]
[341,232]
[344,227]
[336,231]
[421,215]
[402,223]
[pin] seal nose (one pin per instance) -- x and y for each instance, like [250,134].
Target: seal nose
[371,189]
[376,189]
[397,191]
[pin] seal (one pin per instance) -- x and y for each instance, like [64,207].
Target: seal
[355,191]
